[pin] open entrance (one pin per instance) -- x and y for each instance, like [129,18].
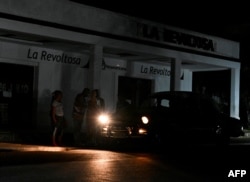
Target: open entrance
[216,84]
[134,90]
[16,93]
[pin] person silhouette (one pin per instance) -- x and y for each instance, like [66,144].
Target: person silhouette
[79,112]
[100,100]
[57,115]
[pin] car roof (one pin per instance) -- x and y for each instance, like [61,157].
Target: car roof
[176,94]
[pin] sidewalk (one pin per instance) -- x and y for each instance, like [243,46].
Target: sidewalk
[44,143]
[31,142]
[30,147]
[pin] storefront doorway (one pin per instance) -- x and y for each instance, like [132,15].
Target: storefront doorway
[16,96]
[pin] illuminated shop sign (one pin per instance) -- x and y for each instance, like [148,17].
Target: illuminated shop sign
[178,38]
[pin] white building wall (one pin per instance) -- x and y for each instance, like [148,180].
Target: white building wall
[161,84]
[159,74]
[51,76]
[108,90]
[69,79]
[89,18]
[107,30]
[112,68]
[186,81]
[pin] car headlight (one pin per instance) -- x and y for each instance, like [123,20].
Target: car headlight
[142,131]
[144,119]
[103,119]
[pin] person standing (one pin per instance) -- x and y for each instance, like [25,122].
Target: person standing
[92,126]
[57,115]
[79,111]
[100,100]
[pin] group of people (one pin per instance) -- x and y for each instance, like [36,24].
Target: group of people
[86,107]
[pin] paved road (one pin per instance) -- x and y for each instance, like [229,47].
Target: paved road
[181,164]
[87,165]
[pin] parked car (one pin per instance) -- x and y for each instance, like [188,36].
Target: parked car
[176,116]
[122,124]
[187,117]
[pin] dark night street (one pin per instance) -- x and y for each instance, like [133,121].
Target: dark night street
[21,162]
[102,91]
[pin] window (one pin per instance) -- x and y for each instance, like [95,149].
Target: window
[164,103]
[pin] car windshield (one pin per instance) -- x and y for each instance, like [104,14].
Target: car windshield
[155,102]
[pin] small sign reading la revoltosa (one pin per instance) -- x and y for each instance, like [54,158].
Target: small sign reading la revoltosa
[59,57]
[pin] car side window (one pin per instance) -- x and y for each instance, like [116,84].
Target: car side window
[164,103]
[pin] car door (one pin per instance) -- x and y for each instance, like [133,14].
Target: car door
[206,118]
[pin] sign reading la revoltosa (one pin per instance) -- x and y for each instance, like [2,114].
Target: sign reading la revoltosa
[58,57]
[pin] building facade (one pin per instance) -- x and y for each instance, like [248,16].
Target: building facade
[62,45]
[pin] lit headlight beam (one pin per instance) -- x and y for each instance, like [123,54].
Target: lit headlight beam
[103,119]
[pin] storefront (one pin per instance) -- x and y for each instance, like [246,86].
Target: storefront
[76,46]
